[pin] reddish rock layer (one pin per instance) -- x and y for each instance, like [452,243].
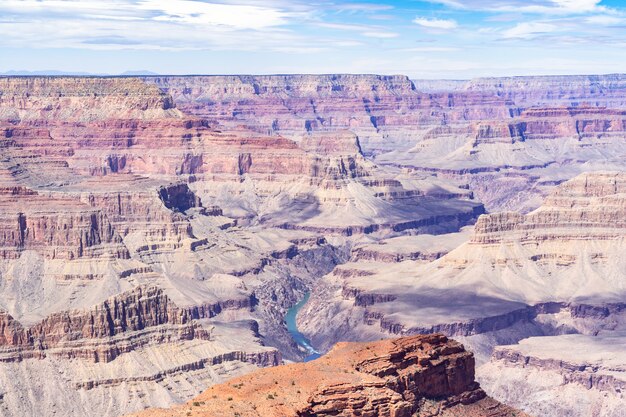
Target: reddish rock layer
[414,376]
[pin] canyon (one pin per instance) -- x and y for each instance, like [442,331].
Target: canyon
[156,230]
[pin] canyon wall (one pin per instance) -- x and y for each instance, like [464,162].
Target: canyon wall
[586,370]
[154,231]
[133,229]
[549,274]
[509,139]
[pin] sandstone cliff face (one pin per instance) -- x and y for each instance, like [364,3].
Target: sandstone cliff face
[548,128]
[590,206]
[139,340]
[416,376]
[293,105]
[607,90]
[542,122]
[112,267]
[86,224]
[120,324]
[601,90]
[130,128]
[56,226]
[550,273]
[59,99]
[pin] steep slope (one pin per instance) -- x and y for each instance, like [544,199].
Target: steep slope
[134,350]
[413,376]
[554,271]
[565,251]
[555,128]
[154,231]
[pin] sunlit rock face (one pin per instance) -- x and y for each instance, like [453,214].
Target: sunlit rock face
[553,272]
[412,376]
[510,139]
[581,372]
[566,251]
[555,127]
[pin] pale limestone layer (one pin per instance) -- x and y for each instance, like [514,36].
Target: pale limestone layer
[553,375]
[510,139]
[554,271]
[162,373]
[131,231]
[81,99]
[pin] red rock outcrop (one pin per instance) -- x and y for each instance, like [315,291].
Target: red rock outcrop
[414,376]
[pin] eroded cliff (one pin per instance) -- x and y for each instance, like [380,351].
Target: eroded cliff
[413,376]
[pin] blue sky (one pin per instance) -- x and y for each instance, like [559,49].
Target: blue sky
[455,39]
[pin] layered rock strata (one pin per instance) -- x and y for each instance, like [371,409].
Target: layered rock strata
[513,268]
[131,230]
[227,198]
[120,324]
[511,139]
[586,372]
[414,376]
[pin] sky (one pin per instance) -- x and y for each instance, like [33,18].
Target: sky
[452,39]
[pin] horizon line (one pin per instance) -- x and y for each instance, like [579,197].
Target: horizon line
[155,75]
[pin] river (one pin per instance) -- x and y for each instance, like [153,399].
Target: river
[292,327]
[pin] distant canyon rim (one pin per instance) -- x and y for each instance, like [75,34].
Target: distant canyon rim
[156,230]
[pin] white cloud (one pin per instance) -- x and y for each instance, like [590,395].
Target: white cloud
[578,6]
[362,7]
[369,31]
[604,20]
[344,26]
[240,16]
[152,24]
[381,35]
[244,25]
[444,24]
[529,30]
[558,7]
[430,49]
[200,13]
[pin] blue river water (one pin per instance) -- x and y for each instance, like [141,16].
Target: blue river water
[299,338]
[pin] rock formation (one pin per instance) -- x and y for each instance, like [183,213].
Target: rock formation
[510,139]
[131,227]
[588,371]
[556,270]
[413,376]
[154,231]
